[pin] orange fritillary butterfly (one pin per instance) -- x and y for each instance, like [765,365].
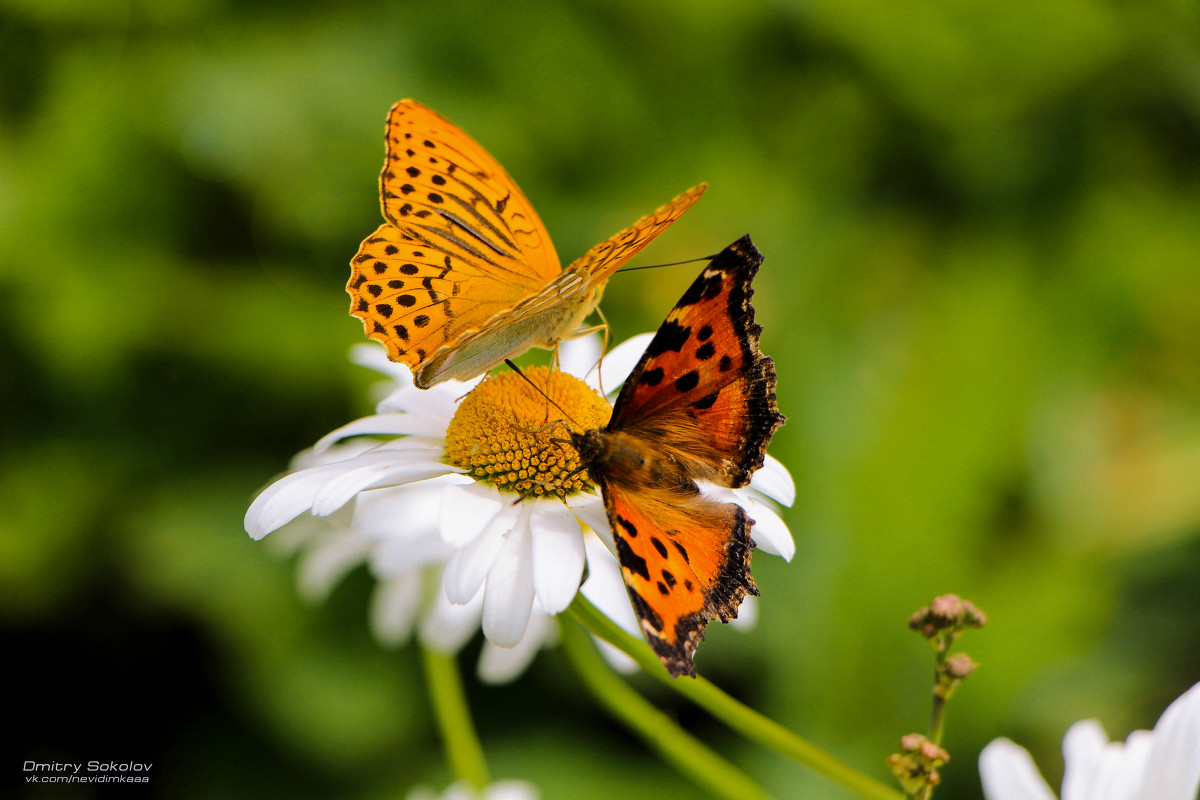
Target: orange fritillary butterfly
[700,405]
[463,274]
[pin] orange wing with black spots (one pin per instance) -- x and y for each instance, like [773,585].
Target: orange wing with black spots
[463,274]
[700,405]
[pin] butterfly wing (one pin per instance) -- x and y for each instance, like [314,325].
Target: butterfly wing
[685,561]
[699,405]
[615,252]
[439,183]
[461,244]
[456,219]
[703,390]
[550,315]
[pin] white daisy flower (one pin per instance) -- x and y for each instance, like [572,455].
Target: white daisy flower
[461,790]
[470,512]
[1163,764]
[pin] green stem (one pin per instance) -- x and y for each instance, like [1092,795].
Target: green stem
[937,722]
[746,721]
[690,756]
[454,718]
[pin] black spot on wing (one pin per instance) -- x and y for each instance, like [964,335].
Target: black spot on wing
[659,546]
[628,526]
[652,377]
[682,551]
[644,611]
[687,382]
[671,336]
[632,561]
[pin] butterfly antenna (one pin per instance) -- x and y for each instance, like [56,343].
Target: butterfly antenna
[538,389]
[671,264]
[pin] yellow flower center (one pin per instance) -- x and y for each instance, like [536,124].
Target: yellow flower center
[508,434]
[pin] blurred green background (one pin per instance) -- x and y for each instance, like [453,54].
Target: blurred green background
[982,294]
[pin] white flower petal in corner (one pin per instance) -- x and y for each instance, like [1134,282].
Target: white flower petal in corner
[1008,773]
[1163,764]
[1173,765]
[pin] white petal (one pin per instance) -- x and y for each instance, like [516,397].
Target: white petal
[288,498]
[589,509]
[1008,773]
[394,607]
[375,470]
[446,626]
[373,356]
[1130,759]
[342,451]
[605,587]
[289,539]
[328,561]
[1173,765]
[471,563]
[393,557]
[775,481]
[437,404]
[375,425]
[508,593]
[580,355]
[404,513]
[467,509]
[619,362]
[503,664]
[769,533]
[557,554]
[1086,759]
